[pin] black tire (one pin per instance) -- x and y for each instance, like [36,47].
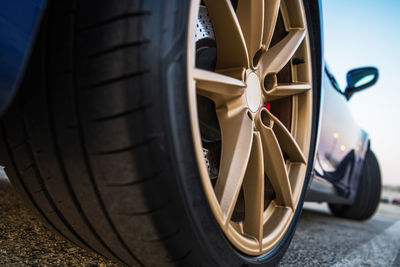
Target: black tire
[98,138]
[368,192]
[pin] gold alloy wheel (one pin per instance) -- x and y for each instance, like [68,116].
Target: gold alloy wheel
[262,93]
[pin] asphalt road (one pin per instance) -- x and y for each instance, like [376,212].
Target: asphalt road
[320,239]
[323,240]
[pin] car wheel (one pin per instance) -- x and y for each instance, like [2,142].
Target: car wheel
[162,133]
[368,192]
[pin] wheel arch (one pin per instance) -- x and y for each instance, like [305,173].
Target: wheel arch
[18,33]
[355,179]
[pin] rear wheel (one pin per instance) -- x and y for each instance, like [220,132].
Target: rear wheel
[162,134]
[368,192]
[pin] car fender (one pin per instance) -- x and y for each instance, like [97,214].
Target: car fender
[19,23]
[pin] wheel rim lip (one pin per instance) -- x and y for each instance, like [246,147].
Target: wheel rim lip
[244,244]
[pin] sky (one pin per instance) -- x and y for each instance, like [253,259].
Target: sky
[361,33]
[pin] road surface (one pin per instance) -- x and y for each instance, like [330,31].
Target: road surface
[320,239]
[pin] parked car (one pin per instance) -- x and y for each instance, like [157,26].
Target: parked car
[179,132]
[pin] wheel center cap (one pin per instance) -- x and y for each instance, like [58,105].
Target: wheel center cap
[253,92]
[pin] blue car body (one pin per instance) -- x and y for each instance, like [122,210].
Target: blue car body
[19,20]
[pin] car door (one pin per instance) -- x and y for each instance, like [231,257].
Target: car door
[341,140]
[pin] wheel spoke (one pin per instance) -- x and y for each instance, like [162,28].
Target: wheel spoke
[271,12]
[237,136]
[276,217]
[251,17]
[285,90]
[210,84]
[286,141]
[275,58]
[274,163]
[237,73]
[231,45]
[253,188]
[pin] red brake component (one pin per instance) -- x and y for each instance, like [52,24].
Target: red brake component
[267,105]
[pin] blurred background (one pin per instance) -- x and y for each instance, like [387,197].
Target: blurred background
[366,33]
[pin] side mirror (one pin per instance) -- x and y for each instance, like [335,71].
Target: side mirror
[359,79]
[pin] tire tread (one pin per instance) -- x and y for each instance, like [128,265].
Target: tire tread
[57,123]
